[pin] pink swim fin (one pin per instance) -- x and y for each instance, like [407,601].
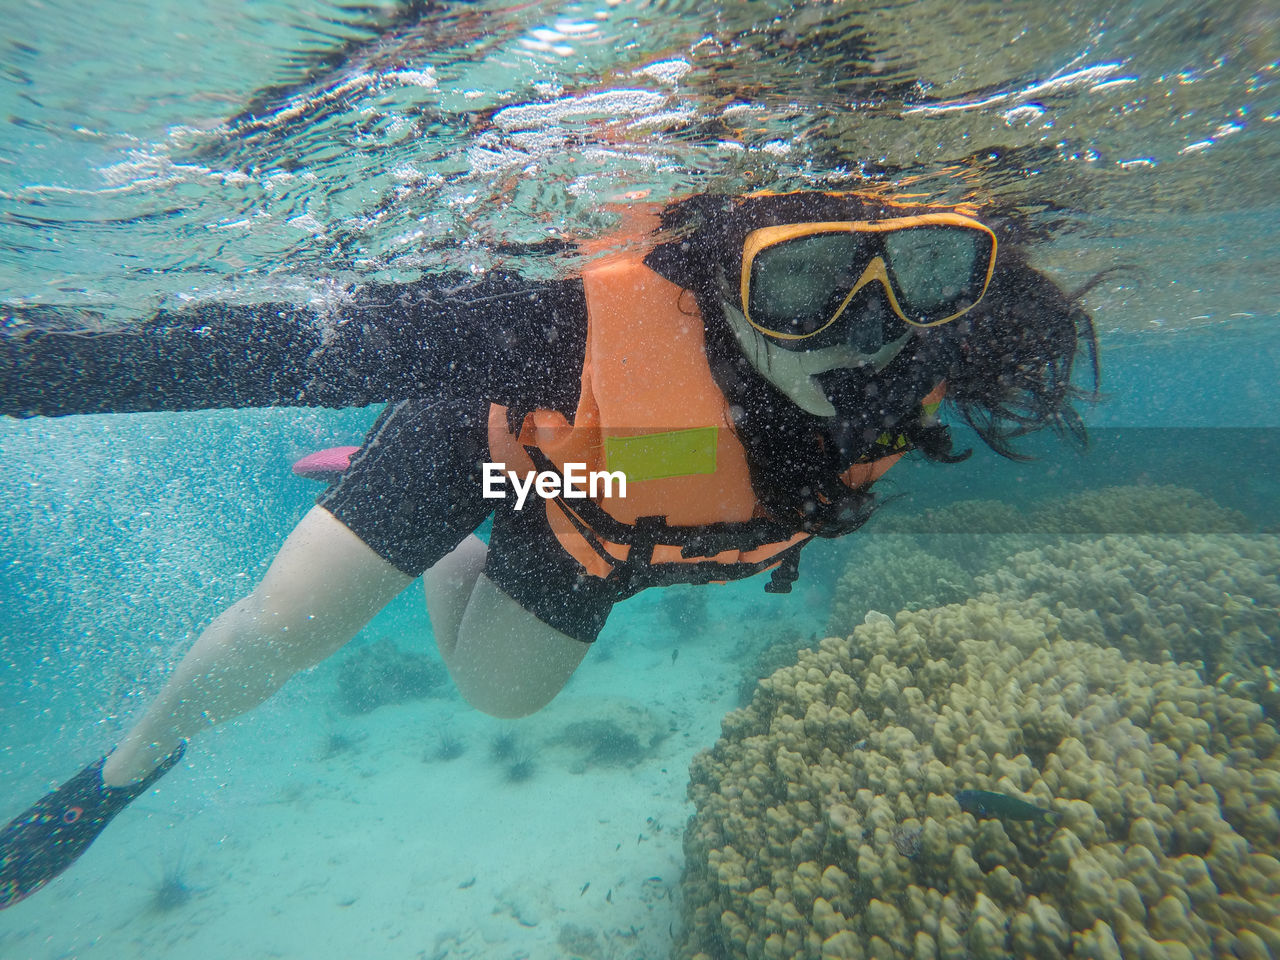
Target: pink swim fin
[325,465]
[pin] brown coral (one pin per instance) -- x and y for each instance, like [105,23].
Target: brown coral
[1213,598]
[1210,595]
[891,572]
[1166,790]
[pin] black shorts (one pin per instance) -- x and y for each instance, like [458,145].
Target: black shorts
[414,491]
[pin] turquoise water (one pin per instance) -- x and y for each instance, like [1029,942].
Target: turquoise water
[157,155]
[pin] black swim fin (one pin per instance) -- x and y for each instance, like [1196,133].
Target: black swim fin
[49,836]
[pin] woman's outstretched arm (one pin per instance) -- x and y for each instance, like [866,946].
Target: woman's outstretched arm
[388,343]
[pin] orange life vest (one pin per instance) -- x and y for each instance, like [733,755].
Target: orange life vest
[650,407]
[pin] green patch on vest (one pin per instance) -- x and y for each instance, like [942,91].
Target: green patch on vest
[652,456]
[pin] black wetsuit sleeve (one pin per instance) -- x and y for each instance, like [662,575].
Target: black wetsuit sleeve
[506,339]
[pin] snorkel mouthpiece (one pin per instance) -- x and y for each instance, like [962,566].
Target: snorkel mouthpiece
[803,374]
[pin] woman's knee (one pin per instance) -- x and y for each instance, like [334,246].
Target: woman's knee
[503,679]
[506,661]
[504,699]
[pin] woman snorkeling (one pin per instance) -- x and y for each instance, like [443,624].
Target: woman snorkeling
[751,375]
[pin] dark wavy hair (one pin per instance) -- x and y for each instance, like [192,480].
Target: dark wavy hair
[1008,364]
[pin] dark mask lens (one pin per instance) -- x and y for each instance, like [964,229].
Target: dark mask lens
[937,271]
[796,286]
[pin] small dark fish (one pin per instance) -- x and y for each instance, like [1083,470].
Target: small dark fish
[585,886]
[674,653]
[988,803]
[609,896]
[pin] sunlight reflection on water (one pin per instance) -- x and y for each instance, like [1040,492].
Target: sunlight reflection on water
[379,148]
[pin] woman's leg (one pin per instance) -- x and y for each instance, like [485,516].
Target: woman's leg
[504,660]
[448,585]
[322,587]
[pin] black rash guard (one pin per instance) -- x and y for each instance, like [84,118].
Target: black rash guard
[438,352]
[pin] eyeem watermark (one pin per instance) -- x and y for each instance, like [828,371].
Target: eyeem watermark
[574,484]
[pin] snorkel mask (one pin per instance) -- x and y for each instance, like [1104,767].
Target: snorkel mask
[849,295]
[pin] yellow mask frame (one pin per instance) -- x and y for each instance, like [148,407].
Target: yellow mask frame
[762,239]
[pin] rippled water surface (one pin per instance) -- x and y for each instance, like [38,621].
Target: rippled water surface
[156,151]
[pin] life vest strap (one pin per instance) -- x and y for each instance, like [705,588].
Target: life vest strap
[638,571]
[787,571]
[705,540]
